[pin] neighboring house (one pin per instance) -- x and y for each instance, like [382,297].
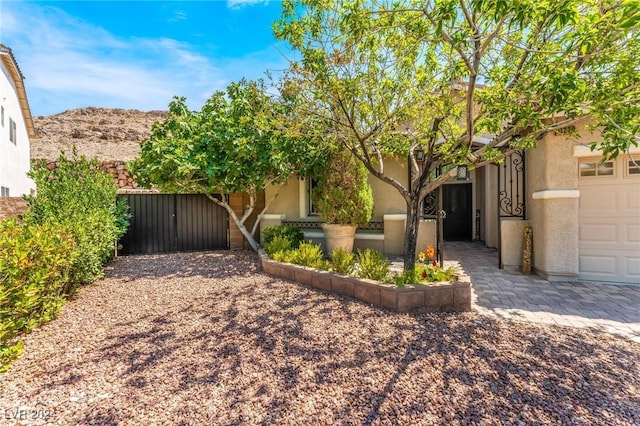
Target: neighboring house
[16,127]
[585,215]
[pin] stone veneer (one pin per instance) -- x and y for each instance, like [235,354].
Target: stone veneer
[117,169]
[452,296]
[12,206]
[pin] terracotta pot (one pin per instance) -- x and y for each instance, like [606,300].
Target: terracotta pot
[336,236]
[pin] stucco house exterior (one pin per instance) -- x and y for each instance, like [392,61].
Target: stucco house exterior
[16,128]
[585,216]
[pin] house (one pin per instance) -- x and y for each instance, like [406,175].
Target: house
[585,215]
[16,127]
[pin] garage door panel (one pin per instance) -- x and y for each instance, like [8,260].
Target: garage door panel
[633,233]
[632,199]
[598,264]
[632,267]
[603,201]
[597,233]
[592,200]
[609,227]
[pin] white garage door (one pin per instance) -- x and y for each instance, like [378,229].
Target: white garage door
[609,220]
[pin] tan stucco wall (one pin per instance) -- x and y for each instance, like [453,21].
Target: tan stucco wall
[552,196]
[394,234]
[426,235]
[490,205]
[287,201]
[512,231]
[387,199]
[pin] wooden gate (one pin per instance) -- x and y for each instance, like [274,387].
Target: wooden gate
[163,223]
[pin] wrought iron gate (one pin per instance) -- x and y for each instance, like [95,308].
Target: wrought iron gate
[162,223]
[511,192]
[432,209]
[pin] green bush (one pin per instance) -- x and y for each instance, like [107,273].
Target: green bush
[79,196]
[287,256]
[309,254]
[279,243]
[373,265]
[291,233]
[35,264]
[342,261]
[406,277]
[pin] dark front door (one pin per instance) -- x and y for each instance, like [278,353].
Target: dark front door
[456,201]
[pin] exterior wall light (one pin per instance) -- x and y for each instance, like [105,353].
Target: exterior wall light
[462,172]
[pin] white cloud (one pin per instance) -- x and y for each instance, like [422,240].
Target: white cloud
[237,4]
[179,15]
[69,63]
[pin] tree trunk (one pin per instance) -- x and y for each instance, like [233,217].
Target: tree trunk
[239,223]
[243,229]
[411,232]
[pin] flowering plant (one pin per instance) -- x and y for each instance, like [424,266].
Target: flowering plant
[427,269]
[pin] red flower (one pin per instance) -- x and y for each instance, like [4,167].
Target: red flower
[424,274]
[434,263]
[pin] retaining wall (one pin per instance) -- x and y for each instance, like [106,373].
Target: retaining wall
[452,296]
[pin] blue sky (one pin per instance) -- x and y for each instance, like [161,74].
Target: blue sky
[124,54]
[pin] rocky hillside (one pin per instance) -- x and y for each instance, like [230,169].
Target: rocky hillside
[105,133]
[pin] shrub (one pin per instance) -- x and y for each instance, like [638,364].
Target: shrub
[79,196]
[279,243]
[309,254]
[291,233]
[343,262]
[406,277]
[35,263]
[373,265]
[287,256]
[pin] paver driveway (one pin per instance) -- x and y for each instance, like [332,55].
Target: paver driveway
[608,307]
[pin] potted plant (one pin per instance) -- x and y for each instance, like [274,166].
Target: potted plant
[343,199]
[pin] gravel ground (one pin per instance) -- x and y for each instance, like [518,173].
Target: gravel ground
[205,338]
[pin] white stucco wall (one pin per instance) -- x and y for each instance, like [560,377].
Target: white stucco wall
[14,159]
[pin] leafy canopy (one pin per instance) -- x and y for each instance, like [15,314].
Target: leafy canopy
[461,81]
[394,77]
[233,144]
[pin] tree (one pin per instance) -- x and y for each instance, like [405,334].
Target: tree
[398,78]
[233,144]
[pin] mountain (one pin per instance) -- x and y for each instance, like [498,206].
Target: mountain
[106,133]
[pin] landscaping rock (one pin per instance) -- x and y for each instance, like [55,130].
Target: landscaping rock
[206,338]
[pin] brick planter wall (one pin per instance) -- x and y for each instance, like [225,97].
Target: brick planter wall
[436,297]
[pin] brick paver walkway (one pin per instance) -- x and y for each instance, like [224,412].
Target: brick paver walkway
[614,308]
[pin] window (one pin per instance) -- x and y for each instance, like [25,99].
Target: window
[633,167]
[311,208]
[595,168]
[2,116]
[12,131]
[4,191]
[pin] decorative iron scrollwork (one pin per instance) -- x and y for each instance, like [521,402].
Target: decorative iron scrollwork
[430,205]
[511,195]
